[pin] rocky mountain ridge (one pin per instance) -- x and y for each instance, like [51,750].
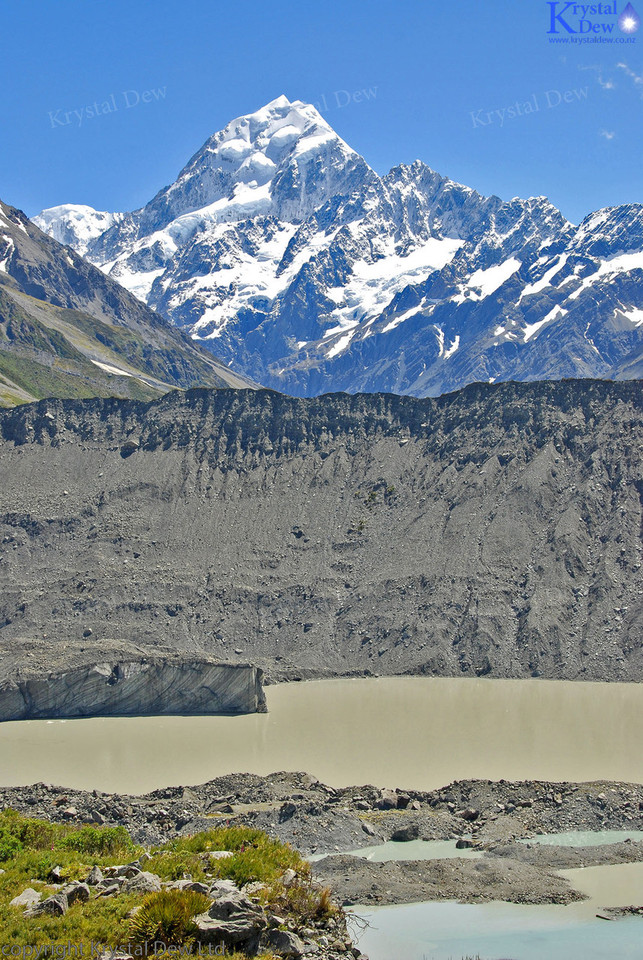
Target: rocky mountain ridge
[286,254]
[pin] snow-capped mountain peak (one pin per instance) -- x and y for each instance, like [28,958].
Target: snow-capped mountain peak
[282,160]
[282,249]
[76,224]
[253,147]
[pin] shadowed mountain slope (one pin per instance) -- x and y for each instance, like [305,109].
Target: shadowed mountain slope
[67,330]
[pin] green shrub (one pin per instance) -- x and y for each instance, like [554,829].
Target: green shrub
[98,841]
[252,864]
[10,845]
[42,835]
[221,838]
[44,865]
[37,834]
[255,856]
[167,918]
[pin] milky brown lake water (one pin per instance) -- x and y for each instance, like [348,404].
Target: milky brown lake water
[410,732]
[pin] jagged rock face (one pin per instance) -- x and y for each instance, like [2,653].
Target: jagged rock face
[496,531]
[134,688]
[290,258]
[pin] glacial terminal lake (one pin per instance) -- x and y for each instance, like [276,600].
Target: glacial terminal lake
[410,732]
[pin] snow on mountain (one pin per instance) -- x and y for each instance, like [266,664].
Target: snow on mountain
[76,225]
[279,247]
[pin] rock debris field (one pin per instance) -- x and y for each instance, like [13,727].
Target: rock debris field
[318,819]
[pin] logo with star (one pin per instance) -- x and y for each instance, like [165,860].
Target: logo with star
[629,21]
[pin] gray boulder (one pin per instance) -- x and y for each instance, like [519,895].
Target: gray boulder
[195,885]
[127,870]
[234,920]
[76,893]
[220,887]
[463,843]
[27,898]
[95,876]
[109,891]
[234,904]
[285,944]
[404,834]
[142,882]
[56,906]
[254,887]
[198,887]
[387,800]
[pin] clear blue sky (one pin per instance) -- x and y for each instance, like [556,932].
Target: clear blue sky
[436,71]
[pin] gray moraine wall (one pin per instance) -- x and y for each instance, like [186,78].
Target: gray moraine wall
[491,532]
[134,688]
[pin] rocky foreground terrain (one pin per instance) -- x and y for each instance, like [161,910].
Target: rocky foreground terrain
[492,532]
[316,818]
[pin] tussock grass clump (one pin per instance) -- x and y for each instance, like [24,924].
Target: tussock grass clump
[167,918]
